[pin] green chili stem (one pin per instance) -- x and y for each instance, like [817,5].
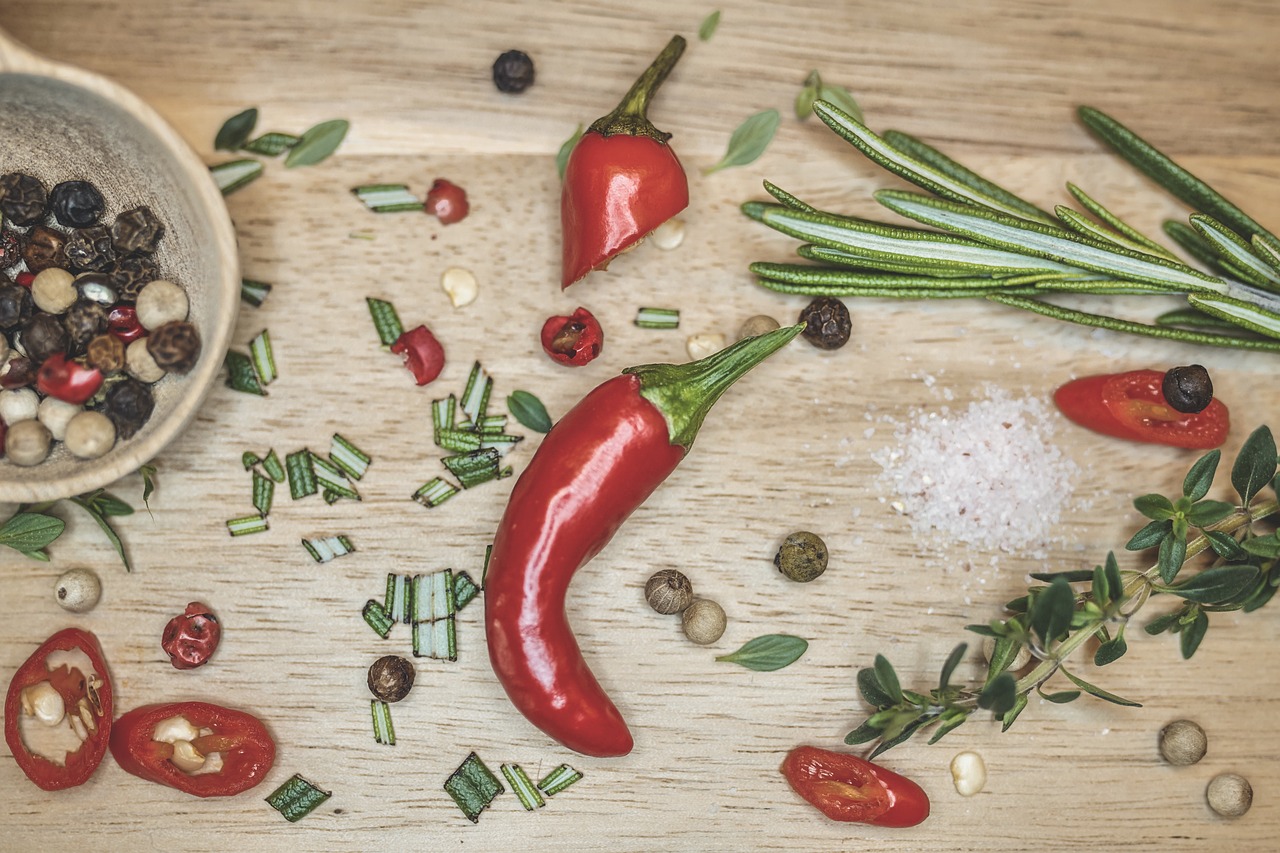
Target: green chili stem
[631,115]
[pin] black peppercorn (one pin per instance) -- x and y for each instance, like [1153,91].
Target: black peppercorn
[175,346]
[44,249]
[96,287]
[15,304]
[1188,389]
[513,72]
[84,321]
[827,323]
[76,204]
[10,248]
[130,274]
[22,198]
[129,404]
[42,336]
[391,678]
[106,353]
[136,230]
[802,556]
[90,249]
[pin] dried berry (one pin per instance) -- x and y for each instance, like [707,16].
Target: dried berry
[191,638]
[42,336]
[44,249]
[10,248]
[129,404]
[106,353]
[704,621]
[90,249]
[15,304]
[19,373]
[175,346]
[84,321]
[131,273]
[27,443]
[1183,743]
[89,434]
[447,202]
[391,678]
[96,287]
[78,590]
[1188,389]
[513,72]
[76,204]
[802,556]
[668,591]
[827,323]
[136,230]
[22,198]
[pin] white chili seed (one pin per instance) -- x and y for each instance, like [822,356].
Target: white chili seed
[54,290]
[19,404]
[460,285]
[78,590]
[161,302]
[139,364]
[56,414]
[186,757]
[79,728]
[969,772]
[174,729]
[701,346]
[668,235]
[44,702]
[90,434]
[27,443]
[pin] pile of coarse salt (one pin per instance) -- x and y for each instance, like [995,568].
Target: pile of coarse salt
[987,476]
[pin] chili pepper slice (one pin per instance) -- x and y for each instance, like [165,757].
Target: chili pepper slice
[1132,406]
[574,340]
[240,738]
[85,695]
[595,466]
[192,637]
[622,179]
[847,788]
[422,353]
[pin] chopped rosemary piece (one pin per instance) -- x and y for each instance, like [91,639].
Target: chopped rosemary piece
[273,467]
[559,779]
[331,479]
[464,590]
[658,318]
[384,731]
[433,596]
[475,399]
[435,492]
[385,320]
[254,292]
[493,424]
[235,174]
[324,550]
[397,601]
[264,361]
[297,798]
[352,460]
[247,524]
[520,783]
[302,476]
[240,374]
[263,491]
[458,440]
[484,572]
[473,787]
[388,198]
[438,639]
[249,459]
[270,144]
[375,615]
[474,468]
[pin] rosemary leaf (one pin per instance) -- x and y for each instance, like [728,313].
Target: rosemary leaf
[1136,236]
[1088,228]
[1240,314]
[271,144]
[749,141]
[788,199]
[1235,251]
[1192,243]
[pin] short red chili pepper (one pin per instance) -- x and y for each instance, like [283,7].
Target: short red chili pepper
[1132,406]
[447,202]
[86,697]
[847,788]
[622,179]
[241,739]
[122,321]
[423,354]
[191,638]
[574,340]
[67,380]
[595,466]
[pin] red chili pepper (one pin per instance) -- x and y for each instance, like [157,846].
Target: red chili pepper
[67,380]
[847,788]
[1132,406]
[82,693]
[622,179]
[422,353]
[447,202]
[575,340]
[122,322]
[241,739]
[598,463]
[191,639]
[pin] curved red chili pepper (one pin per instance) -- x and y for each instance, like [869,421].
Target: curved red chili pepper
[595,466]
[622,179]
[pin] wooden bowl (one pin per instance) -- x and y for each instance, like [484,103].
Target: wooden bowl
[62,123]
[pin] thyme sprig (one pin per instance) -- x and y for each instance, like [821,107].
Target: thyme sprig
[1066,610]
[983,241]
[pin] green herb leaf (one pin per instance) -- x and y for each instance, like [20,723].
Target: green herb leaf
[1193,634]
[1062,697]
[1151,535]
[91,505]
[1263,546]
[317,143]
[1011,715]
[1205,513]
[948,668]
[808,94]
[148,473]
[1111,651]
[1173,553]
[864,733]
[236,130]
[271,144]
[31,533]
[1051,614]
[1073,576]
[1000,695]
[529,411]
[708,26]
[946,725]
[839,97]
[1163,623]
[1256,464]
[749,141]
[1094,690]
[888,679]
[1115,583]
[1156,507]
[1200,477]
[1101,587]
[1005,652]
[871,689]
[768,653]
[901,737]
[1217,584]
[562,156]
[1224,545]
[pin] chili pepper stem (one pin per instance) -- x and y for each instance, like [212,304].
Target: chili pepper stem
[684,393]
[630,117]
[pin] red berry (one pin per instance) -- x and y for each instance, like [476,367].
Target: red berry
[25,278]
[447,202]
[575,340]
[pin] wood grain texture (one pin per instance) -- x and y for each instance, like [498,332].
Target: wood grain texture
[789,448]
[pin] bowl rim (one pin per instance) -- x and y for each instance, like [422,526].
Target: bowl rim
[95,474]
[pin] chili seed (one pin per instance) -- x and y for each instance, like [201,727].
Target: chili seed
[668,591]
[90,249]
[84,321]
[43,335]
[44,249]
[76,204]
[513,72]
[131,273]
[391,678]
[129,404]
[1188,389]
[137,230]
[106,353]
[802,556]
[90,434]
[22,198]
[15,305]
[175,346]
[827,323]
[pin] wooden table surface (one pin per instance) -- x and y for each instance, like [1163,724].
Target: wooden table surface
[993,84]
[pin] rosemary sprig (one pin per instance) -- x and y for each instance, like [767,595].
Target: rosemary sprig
[1054,619]
[979,234]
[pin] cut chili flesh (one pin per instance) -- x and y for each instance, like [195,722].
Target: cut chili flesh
[1131,406]
[847,788]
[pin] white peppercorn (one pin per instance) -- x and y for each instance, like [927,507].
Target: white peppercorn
[704,621]
[161,302]
[760,324]
[90,434]
[54,290]
[55,414]
[1229,794]
[78,590]
[668,591]
[27,443]
[139,364]
[19,404]
[1183,743]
